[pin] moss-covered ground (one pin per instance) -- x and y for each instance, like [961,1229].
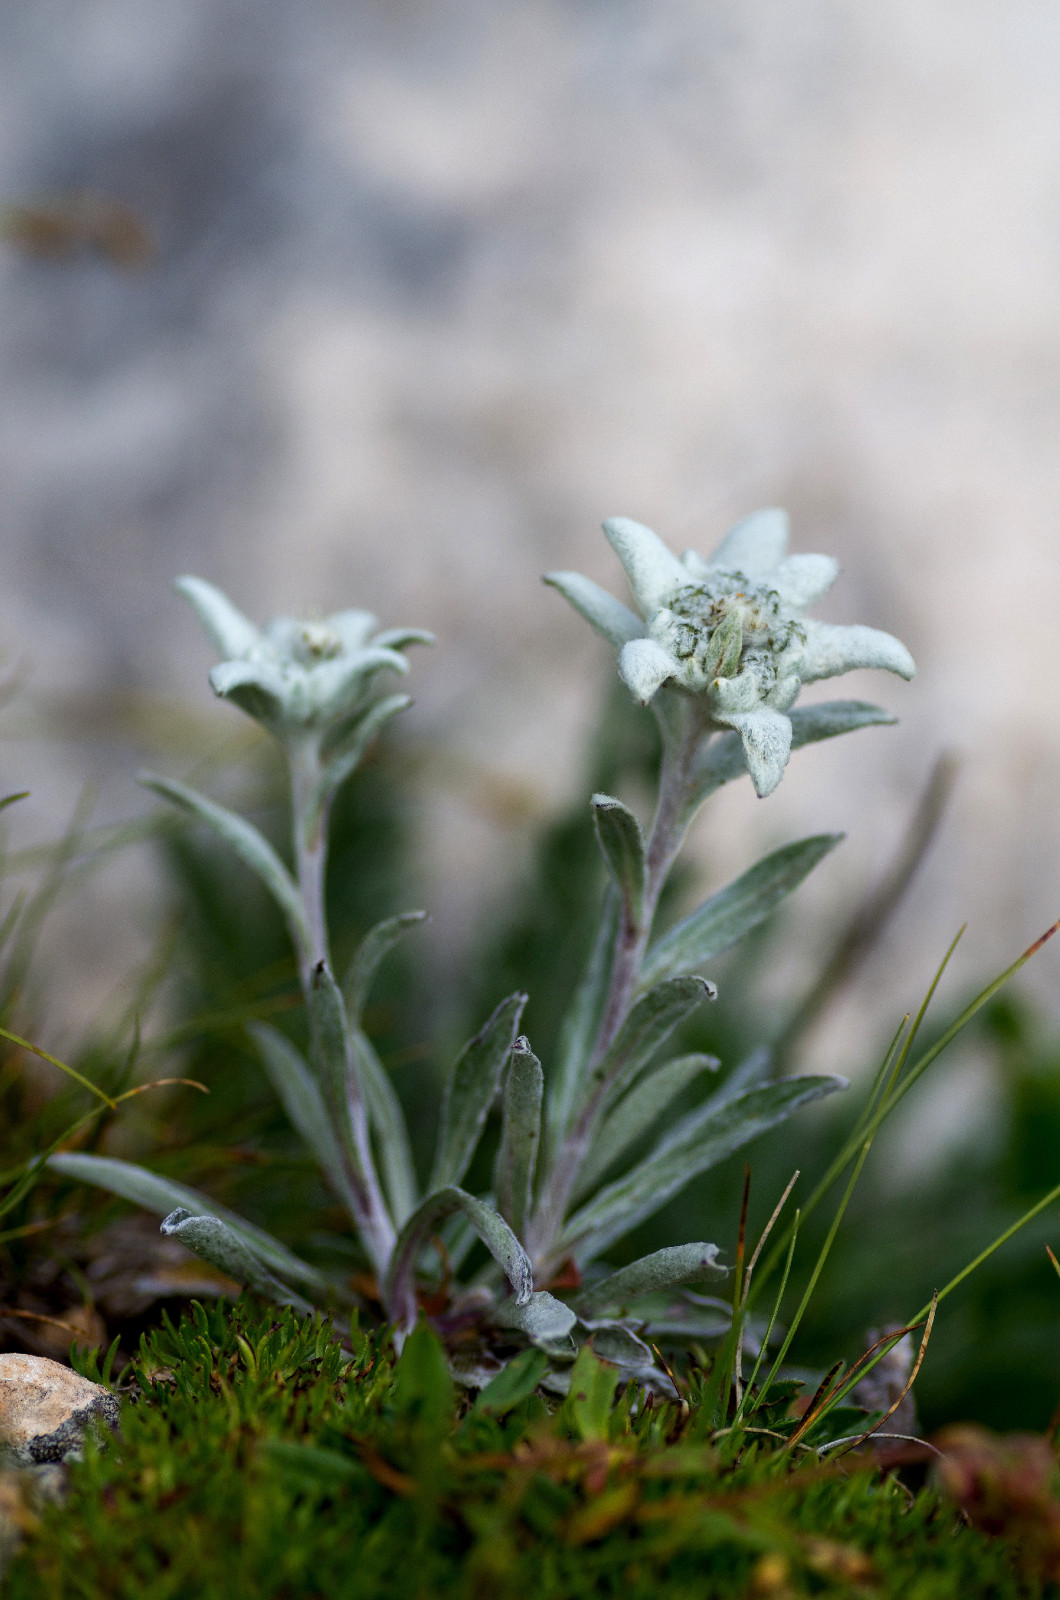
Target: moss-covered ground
[260,1457]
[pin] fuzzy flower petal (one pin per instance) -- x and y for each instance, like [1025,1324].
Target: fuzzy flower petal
[766,739]
[335,685]
[258,688]
[831,650]
[654,572]
[606,614]
[353,629]
[645,667]
[401,638]
[225,626]
[755,545]
[801,581]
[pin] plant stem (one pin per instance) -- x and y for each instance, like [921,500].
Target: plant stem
[310,839]
[683,732]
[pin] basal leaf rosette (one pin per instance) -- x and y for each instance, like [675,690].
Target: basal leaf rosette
[292,675]
[732,631]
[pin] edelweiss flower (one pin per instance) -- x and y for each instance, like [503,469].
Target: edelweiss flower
[732,629]
[296,674]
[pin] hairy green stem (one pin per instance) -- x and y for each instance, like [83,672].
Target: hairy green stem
[310,840]
[683,732]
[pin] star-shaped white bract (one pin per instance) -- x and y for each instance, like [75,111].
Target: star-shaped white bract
[290,674]
[732,629]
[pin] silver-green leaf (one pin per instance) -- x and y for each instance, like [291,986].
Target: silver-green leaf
[163,1195]
[723,758]
[252,848]
[636,1113]
[387,1121]
[663,1269]
[699,1142]
[371,953]
[300,1095]
[520,1135]
[731,913]
[214,1241]
[542,1317]
[472,1089]
[335,1065]
[344,755]
[622,845]
[580,1024]
[490,1226]
[651,1021]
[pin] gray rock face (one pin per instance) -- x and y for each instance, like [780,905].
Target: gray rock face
[45,1409]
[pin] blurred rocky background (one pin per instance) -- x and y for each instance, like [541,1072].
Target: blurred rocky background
[389,302]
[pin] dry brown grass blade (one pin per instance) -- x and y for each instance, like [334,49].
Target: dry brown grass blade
[909,1382]
[846,1381]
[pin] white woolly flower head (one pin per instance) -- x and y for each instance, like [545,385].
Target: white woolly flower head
[290,674]
[732,630]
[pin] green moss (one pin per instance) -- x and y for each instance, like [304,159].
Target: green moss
[258,1458]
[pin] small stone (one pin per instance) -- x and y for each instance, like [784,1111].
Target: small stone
[45,1409]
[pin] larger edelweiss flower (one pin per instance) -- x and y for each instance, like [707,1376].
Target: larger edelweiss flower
[732,630]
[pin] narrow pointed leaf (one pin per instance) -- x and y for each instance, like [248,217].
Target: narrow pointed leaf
[252,848]
[637,1111]
[371,953]
[698,1143]
[300,1095]
[336,1068]
[723,758]
[543,1318]
[731,913]
[606,614]
[622,844]
[620,1345]
[580,1024]
[490,1226]
[663,1269]
[214,1241]
[163,1195]
[471,1090]
[520,1136]
[225,626]
[343,756]
[651,1021]
[387,1122]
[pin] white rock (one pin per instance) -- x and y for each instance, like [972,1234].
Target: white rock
[45,1408]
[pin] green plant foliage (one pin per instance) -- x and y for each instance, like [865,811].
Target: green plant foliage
[260,1457]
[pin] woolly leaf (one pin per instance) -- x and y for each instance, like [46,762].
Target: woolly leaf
[371,953]
[622,845]
[490,1226]
[163,1195]
[731,913]
[471,1090]
[520,1135]
[252,848]
[214,1241]
[699,1142]
[639,1108]
[663,1269]
[651,1021]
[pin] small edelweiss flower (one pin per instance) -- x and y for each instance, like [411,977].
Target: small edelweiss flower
[732,630]
[291,674]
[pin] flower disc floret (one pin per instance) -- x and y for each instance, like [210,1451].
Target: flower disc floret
[732,631]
